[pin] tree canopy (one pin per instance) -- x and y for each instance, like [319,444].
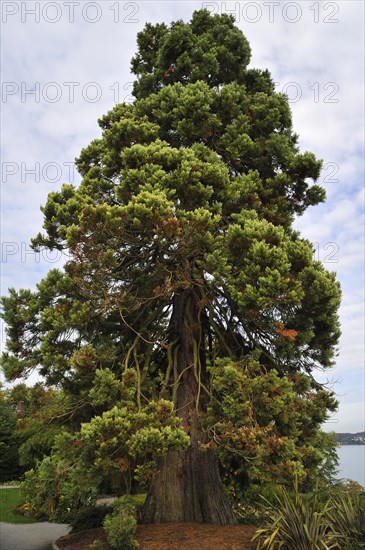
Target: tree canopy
[190,315]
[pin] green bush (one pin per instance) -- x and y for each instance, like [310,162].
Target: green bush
[313,521]
[55,489]
[249,513]
[297,523]
[89,517]
[249,510]
[348,514]
[347,487]
[120,525]
[52,495]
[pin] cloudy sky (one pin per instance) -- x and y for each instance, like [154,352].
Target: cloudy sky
[67,63]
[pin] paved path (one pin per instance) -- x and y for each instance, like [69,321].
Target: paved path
[30,536]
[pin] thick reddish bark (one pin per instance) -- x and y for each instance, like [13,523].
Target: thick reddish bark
[187,486]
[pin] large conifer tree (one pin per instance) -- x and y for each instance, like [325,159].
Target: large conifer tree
[185,272]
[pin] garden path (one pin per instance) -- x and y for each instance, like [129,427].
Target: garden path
[30,536]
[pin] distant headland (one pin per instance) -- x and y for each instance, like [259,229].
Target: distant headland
[351,439]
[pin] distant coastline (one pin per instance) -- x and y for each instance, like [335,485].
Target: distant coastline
[350,439]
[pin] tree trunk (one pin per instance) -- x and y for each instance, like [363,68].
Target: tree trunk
[187,486]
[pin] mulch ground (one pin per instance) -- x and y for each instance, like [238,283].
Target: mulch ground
[177,536]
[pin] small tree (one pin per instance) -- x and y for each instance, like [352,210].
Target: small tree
[185,271]
[10,468]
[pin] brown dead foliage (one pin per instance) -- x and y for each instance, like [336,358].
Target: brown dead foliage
[173,536]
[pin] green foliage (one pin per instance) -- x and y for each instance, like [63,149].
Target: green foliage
[348,515]
[270,492]
[263,424]
[295,523]
[124,437]
[249,513]
[191,190]
[138,500]
[11,508]
[37,413]
[348,487]
[121,443]
[202,170]
[209,48]
[307,522]
[96,545]
[120,525]
[328,468]
[89,517]
[59,485]
[9,441]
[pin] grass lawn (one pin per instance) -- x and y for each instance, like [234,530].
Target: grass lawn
[11,497]
[8,499]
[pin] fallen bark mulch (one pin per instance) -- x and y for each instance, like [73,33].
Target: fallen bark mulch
[173,536]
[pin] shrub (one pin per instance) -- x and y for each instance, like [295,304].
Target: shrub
[120,525]
[57,491]
[249,513]
[139,499]
[347,487]
[297,523]
[348,514]
[249,509]
[89,517]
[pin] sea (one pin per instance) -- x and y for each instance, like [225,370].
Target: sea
[352,463]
